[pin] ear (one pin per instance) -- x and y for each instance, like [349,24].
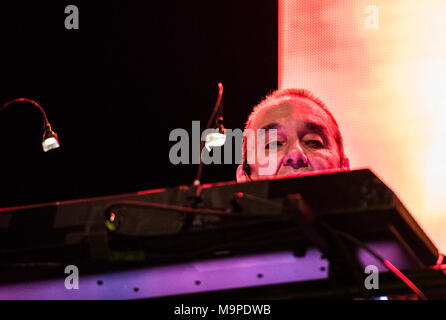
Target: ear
[240,174]
[345,164]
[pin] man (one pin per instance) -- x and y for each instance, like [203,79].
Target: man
[307,137]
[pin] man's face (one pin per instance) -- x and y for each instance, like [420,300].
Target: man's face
[305,139]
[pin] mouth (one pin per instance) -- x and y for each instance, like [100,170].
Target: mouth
[292,171]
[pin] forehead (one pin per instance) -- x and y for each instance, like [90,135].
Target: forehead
[291,112]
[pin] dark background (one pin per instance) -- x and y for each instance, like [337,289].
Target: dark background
[114,89]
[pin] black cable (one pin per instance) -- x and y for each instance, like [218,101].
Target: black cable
[182,255]
[162,206]
[348,257]
[359,243]
[385,262]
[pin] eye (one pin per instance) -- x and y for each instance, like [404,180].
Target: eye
[313,141]
[273,144]
[315,144]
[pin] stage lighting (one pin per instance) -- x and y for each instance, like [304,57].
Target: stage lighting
[214,139]
[50,140]
[217,138]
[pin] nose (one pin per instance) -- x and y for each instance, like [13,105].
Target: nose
[296,157]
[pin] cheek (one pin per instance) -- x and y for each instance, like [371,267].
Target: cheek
[267,166]
[323,160]
[263,156]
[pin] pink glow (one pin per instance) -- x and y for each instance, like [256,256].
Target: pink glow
[384,86]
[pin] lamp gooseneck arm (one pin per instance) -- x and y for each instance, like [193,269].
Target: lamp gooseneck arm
[46,123]
[208,125]
[50,140]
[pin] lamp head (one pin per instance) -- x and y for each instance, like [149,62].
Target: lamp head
[50,140]
[217,138]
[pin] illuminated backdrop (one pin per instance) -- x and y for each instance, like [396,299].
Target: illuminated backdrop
[380,66]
